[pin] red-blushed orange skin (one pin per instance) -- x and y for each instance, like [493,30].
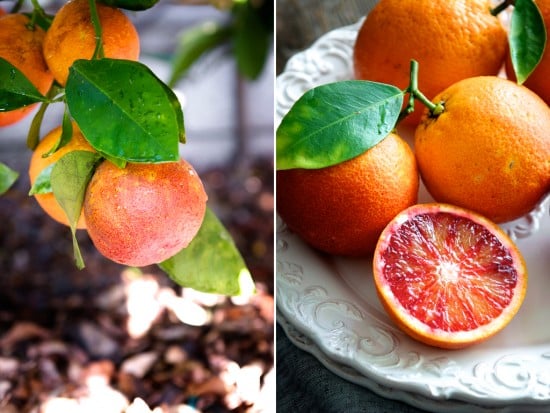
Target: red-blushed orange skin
[425,281]
[144,213]
[22,47]
[342,209]
[71,36]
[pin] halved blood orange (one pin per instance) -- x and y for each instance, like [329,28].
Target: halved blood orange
[447,276]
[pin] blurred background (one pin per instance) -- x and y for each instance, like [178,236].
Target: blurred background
[113,339]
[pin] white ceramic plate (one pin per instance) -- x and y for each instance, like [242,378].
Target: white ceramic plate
[328,306]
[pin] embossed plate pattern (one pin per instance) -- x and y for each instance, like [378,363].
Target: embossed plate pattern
[328,306]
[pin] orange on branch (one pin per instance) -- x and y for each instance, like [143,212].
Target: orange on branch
[71,36]
[144,213]
[21,45]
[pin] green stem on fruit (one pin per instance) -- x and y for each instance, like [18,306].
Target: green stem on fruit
[98,52]
[501,7]
[414,93]
[37,11]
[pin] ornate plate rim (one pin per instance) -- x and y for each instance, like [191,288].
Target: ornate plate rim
[505,384]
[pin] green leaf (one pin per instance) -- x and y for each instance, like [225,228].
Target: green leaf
[7,177]
[124,110]
[194,43]
[69,179]
[252,41]
[65,137]
[335,122]
[527,38]
[16,91]
[136,5]
[211,262]
[42,183]
[33,135]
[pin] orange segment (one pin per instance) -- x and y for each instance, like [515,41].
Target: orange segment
[448,276]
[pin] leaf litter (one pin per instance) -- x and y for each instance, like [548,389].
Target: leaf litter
[112,340]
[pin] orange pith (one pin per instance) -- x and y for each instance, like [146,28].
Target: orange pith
[71,36]
[448,276]
[451,40]
[22,47]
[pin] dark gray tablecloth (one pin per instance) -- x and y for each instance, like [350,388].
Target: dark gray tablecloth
[305,385]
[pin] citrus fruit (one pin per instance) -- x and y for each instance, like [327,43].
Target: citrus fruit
[71,36]
[38,163]
[538,80]
[144,213]
[343,208]
[489,150]
[22,47]
[448,276]
[451,40]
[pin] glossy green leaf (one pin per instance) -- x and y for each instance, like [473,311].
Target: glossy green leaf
[211,263]
[335,122]
[124,110]
[7,178]
[194,43]
[69,179]
[42,183]
[65,137]
[16,91]
[252,40]
[527,38]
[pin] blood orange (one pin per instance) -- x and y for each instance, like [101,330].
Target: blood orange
[448,276]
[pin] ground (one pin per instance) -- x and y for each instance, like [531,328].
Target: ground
[110,339]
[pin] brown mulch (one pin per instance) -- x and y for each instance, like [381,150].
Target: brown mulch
[111,339]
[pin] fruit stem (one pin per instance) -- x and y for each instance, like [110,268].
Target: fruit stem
[414,93]
[501,7]
[37,11]
[98,52]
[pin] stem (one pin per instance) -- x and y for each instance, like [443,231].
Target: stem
[98,52]
[501,7]
[414,93]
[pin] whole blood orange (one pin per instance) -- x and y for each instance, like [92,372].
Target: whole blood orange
[71,36]
[21,45]
[144,213]
[489,150]
[451,40]
[342,209]
[447,276]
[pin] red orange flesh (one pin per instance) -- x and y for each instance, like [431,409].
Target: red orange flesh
[448,276]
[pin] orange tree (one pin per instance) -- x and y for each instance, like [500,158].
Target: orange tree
[134,121]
